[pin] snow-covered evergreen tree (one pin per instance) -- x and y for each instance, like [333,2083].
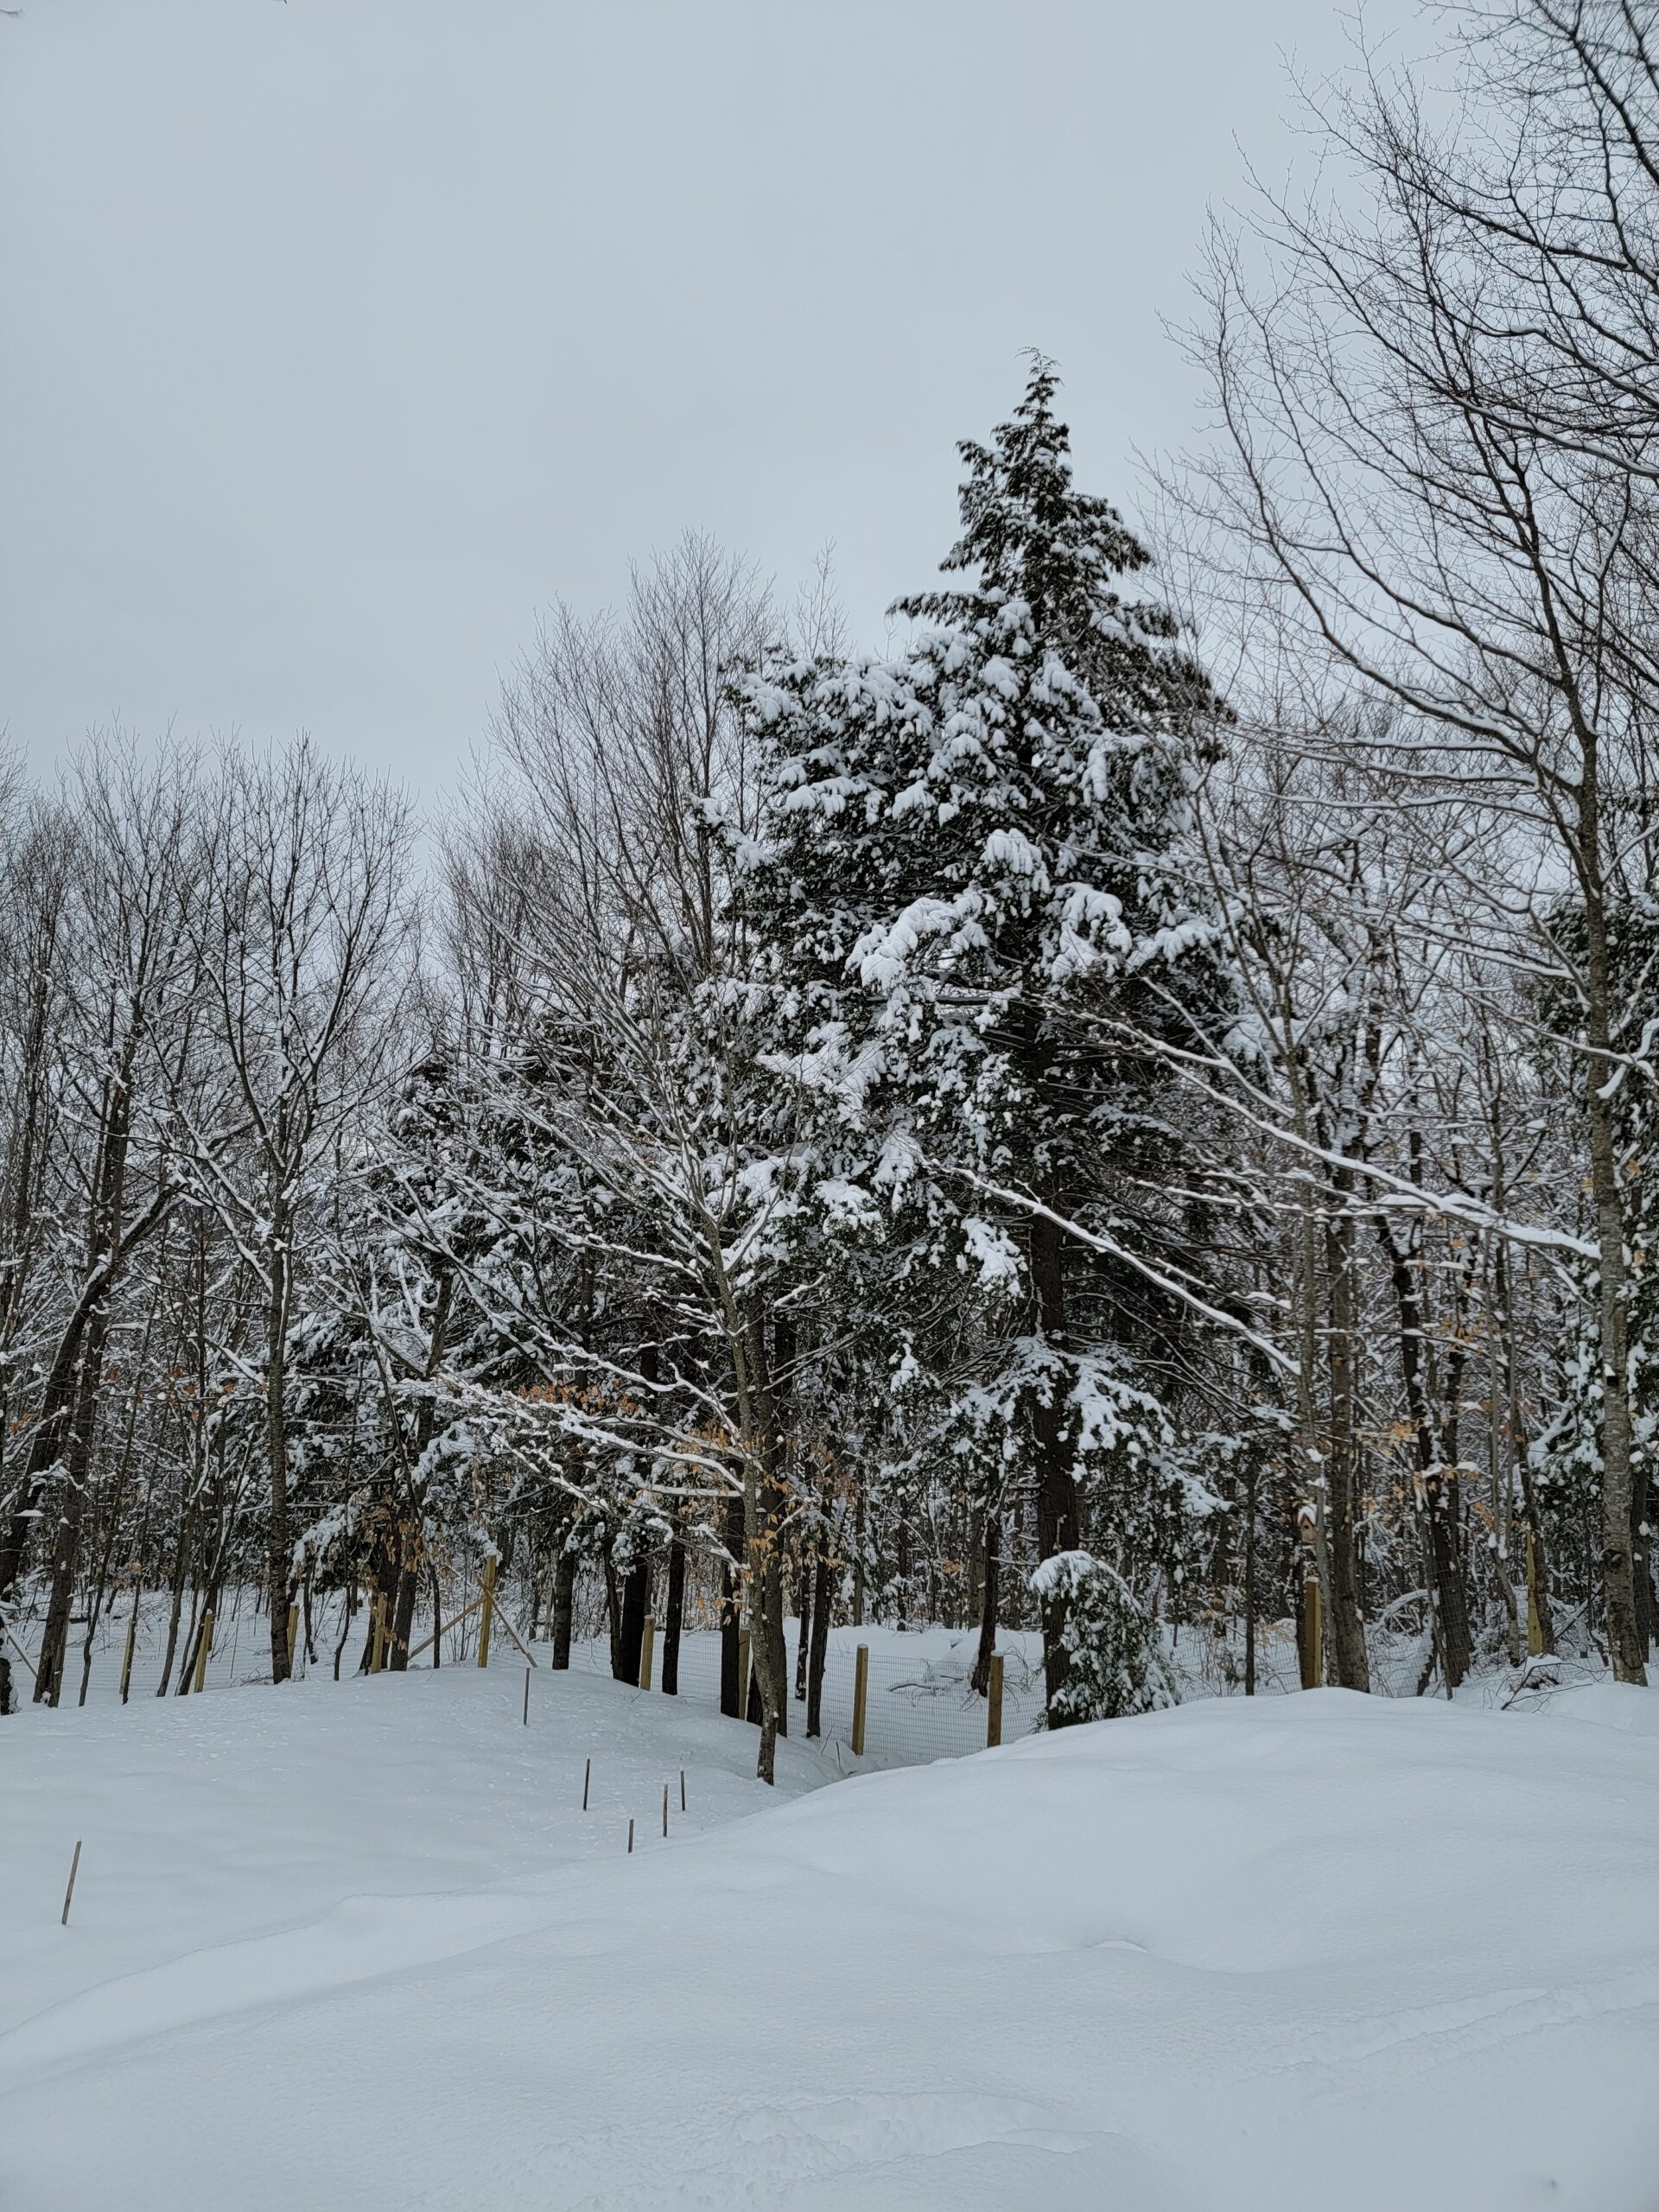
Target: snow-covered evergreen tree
[1114,1666]
[972,875]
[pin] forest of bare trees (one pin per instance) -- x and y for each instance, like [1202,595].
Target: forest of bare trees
[1128,1106]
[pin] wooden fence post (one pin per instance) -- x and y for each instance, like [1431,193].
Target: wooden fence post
[204,1645]
[587,1776]
[486,1619]
[664,1809]
[293,1637]
[1534,1623]
[994,1704]
[126,1656]
[1312,1633]
[74,1869]
[861,1697]
[647,1646]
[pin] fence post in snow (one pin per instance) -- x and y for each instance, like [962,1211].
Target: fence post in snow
[293,1637]
[204,1645]
[126,1656]
[486,1619]
[994,1704]
[861,1697]
[647,1644]
[1312,1634]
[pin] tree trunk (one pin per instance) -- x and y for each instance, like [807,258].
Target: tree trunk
[564,1606]
[1251,1476]
[1451,1604]
[766,1504]
[278,1565]
[731,1626]
[1345,1629]
[1619,1541]
[822,1600]
[180,1570]
[990,1562]
[1057,1528]
[636,1602]
[72,1517]
[803,1623]
[673,1626]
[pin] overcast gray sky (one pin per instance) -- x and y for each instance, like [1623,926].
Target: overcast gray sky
[339,337]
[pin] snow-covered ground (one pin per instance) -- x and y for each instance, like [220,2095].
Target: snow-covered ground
[357,1945]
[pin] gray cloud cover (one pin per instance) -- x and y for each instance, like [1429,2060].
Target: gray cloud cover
[340,336]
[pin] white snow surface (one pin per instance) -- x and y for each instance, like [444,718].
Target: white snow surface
[356,1945]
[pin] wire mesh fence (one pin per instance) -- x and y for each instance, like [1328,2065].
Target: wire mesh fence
[920,1702]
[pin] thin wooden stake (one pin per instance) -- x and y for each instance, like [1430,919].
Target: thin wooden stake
[378,1649]
[587,1776]
[861,1697]
[630,1838]
[205,1644]
[74,1869]
[486,1624]
[1312,1634]
[647,1645]
[293,1637]
[994,1704]
[681,1788]
[22,1655]
[126,1656]
[526,1697]
[664,1809]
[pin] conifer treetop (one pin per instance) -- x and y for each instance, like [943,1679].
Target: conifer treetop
[1044,552]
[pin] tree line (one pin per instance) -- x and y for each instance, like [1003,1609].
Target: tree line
[1130,1102]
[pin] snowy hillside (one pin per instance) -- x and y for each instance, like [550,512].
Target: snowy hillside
[357,1946]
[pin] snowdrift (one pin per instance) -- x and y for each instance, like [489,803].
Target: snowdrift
[368,1952]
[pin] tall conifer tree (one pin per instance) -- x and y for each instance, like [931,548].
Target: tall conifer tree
[972,876]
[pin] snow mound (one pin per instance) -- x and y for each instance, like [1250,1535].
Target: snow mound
[1278,1954]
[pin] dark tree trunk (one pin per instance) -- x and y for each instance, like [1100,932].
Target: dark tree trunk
[614,1615]
[402,1610]
[731,1607]
[822,1601]
[1344,1626]
[1450,1607]
[181,1551]
[57,1394]
[1249,1577]
[636,1602]
[1057,1528]
[989,1590]
[564,1606]
[77,1491]
[674,1623]
[803,1619]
